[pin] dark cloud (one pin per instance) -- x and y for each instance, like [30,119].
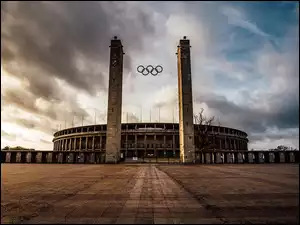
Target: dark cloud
[30,124]
[27,101]
[41,125]
[288,135]
[282,115]
[41,41]
[20,99]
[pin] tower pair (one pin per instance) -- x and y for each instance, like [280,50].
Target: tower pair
[114,111]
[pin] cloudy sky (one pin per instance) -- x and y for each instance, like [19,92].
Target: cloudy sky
[54,66]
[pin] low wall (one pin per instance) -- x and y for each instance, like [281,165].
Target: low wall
[217,157]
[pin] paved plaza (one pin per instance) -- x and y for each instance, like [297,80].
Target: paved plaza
[147,194]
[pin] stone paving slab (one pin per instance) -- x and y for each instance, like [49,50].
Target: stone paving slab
[149,194]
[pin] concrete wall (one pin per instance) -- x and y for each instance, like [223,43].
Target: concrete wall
[223,157]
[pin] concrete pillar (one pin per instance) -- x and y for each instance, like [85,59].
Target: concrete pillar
[70,144]
[66,146]
[135,144]
[93,143]
[86,143]
[220,143]
[126,142]
[114,111]
[185,97]
[155,145]
[173,144]
[145,143]
[165,143]
[75,147]
[80,140]
[101,143]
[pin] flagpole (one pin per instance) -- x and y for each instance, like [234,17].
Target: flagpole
[173,114]
[159,114]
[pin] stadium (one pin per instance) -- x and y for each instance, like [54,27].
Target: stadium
[146,139]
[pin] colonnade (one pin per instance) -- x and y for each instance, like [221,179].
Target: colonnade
[139,142]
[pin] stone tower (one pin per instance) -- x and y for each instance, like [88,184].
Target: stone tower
[114,111]
[185,99]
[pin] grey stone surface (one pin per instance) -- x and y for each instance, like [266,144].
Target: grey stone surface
[149,194]
[114,107]
[185,100]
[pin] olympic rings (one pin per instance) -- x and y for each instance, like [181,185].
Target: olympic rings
[154,71]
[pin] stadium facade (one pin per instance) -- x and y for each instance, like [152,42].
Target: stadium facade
[147,139]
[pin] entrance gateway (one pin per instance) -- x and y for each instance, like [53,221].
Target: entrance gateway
[185,95]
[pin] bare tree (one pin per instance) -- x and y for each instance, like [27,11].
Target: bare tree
[204,135]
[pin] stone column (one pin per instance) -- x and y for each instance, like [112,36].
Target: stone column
[86,143]
[155,144]
[80,140]
[101,142]
[135,144]
[185,99]
[174,146]
[70,144]
[164,144]
[66,145]
[126,141]
[114,112]
[93,146]
[145,143]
